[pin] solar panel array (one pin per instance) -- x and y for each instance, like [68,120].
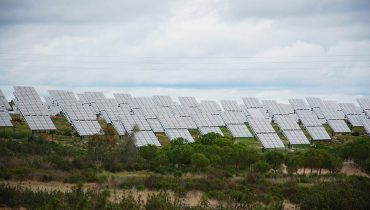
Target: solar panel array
[339,126]
[5,118]
[291,130]
[206,130]
[313,125]
[135,123]
[265,133]
[32,108]
[4,102]
[366,123]
[175,133]
[239,131]
[230,105]
[143,138]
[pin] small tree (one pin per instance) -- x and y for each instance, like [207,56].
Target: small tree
[199,160]
[261,167]
[275,159]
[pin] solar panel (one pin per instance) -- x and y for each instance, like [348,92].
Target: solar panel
[355,120]
[5,118]
[367,113]
[206,130]
[298,104]
[296,137]
[118,126]
[364,103]
[318,133]
[152,111]
[163,100]
[207,106]
[339,126]
[87,128]
[308,119]
[261,126]
[179,133]
[122,98]
[350,109]
[77,111]
[257,113]
[189,122]
[39,122]
[3,101]
[270,140]
[331,114]
[332,105]
[230,105]
[208,120]
[156,125]
[143,138]
[183,111]
[233,118]
[366,123]
[62,95]
[140,102]
[252,102]
[131,122]
[188,101]
[35,113]
[287,123]
[239,131]
[314,102]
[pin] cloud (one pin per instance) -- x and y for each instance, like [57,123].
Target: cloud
[295,47]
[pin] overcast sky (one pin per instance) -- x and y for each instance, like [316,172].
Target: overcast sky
[211,49]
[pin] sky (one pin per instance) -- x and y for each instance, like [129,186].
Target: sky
[211,49]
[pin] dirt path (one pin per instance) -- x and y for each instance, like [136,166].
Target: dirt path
[192,198]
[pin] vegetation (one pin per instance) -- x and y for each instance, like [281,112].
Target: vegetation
[230,174]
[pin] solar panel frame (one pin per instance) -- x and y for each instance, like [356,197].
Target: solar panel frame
[155,125]
[318,133]
[239,131]
[206,130]
[295,137]
[339,126]
[270,140]
[173,134]
[144,138]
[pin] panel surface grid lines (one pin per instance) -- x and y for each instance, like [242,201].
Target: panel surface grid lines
[35,113]
[261,126]
[239,131]
[233,118]
[87,128]
[339,126]
[155,125]
[355,120]
[252,102]
[270,140]
[287,123]
[188,101]
[364,103]
[5,118]
[206,130]
[318,133]
[179,133]
[366,123]
[4,101]
[296,137]
[143,138]
[230,105]
[118,126]
[163,100]
[314,102]
[298,104]
[132,122]
[350,109]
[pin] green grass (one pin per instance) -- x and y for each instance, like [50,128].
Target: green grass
[163,139]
